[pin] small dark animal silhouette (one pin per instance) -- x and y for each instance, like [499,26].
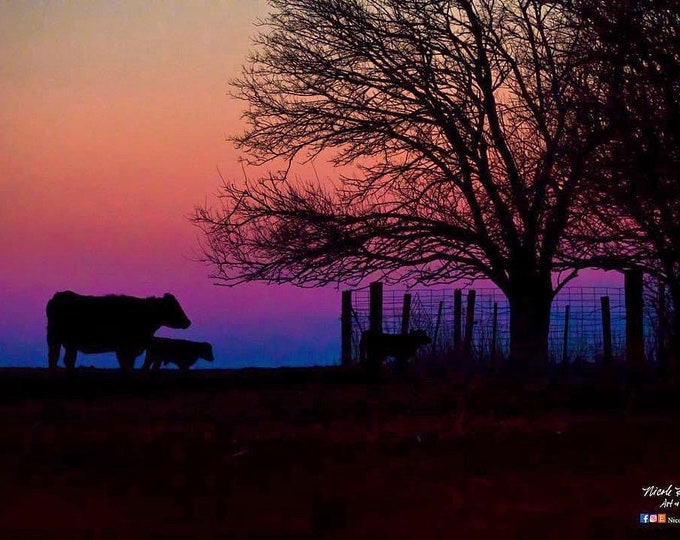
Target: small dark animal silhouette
[374,347]
[113,323]
[181,352]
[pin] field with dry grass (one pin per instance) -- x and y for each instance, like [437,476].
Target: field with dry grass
[315,453]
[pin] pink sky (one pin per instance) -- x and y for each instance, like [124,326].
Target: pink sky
[114,118]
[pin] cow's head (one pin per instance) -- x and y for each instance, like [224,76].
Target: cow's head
[207,351]
[420,337]
[172,314]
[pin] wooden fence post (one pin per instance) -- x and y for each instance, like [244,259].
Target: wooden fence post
[661,330]
[457,320]
[375,326]
[436,327]
[565,342]
[346,328]
[494,332]
[375,317]
[606,329]
[469,322]
[406,314]
[634,319]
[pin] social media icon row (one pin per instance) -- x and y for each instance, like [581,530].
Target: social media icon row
[652,518]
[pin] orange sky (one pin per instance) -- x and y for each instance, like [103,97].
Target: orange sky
[113,110]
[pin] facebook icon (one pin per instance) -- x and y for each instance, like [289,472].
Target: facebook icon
[644,518]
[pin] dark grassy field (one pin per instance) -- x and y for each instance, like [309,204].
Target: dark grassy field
[315,453]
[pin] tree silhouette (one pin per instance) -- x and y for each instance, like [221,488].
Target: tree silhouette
[634,184]
[458,118]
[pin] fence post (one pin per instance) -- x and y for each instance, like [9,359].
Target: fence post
[406,314]
[375,317]
[375,326]
[436,327]
[634,320]
[469,322]
[457,308]
[565,342]
[346,328]
[494,331]
[606,329]
[661,330]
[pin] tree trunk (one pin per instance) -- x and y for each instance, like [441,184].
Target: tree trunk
[673,360]
[529,325]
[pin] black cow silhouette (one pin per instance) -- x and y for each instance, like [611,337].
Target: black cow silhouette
[375,347]
[113,323]
[181,352]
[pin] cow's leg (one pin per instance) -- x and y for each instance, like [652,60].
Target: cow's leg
[185,365]
[400,361]
[374,359]
[129,364]
[148,362]
[70,357]
[53,348]
[126,360]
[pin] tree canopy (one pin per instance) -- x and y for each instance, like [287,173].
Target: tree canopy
[457,116]
[634,183]
[461,121]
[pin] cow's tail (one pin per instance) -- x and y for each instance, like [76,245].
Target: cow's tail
[53,342]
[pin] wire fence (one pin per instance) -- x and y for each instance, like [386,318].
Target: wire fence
[576,311]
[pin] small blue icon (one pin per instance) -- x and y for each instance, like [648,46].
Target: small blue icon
[644,518]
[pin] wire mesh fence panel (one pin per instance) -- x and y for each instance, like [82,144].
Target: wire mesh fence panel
[657,322]
[583,342]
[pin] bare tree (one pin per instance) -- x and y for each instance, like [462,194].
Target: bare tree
[633,200]
[458,118]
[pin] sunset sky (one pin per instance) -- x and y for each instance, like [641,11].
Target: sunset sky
[114,117]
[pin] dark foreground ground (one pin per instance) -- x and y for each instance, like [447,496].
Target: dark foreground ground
[317,454]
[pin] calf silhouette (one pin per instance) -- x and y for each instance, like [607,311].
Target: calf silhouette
[113,323]
[180,352]
[375,347]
